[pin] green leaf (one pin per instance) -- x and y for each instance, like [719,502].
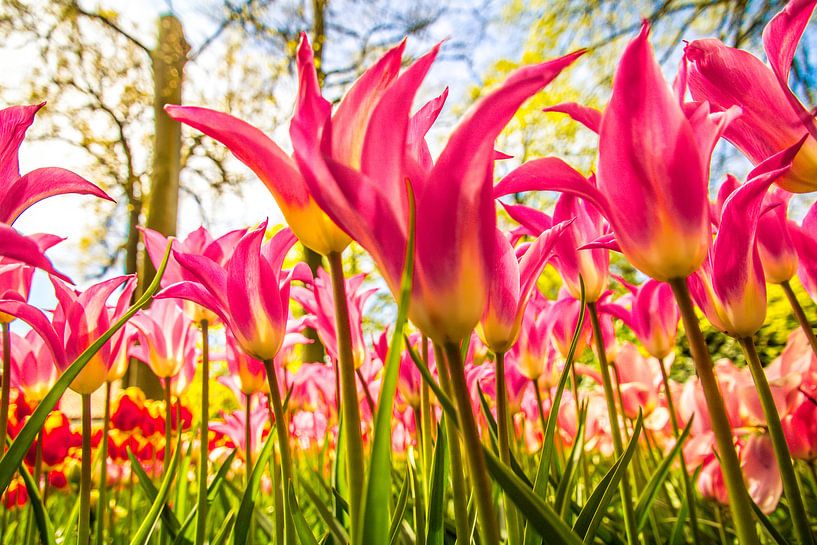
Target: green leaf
[41,518]
[538,514]
[445,402]
[648,495]
[540,482]
[400,508]
[677,535]
[212,491]
[301,526]
[335,527]
[149,523]
[245,508]
[377,491]
[224,531]
[171,523]
[22,443]
[436,496]
[569,476]
[594,510]
[767,524]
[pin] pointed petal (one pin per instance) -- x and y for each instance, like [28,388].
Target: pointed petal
[386,133]
[20,248]
[352,116]
[14,122]
[783,33]
[40,184]
[534,221]
[196,293]
[587,116]
[551,174]
[39,322]
[253,148]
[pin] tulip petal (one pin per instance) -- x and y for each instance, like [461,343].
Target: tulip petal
[386,132]
[729,77]
[14,122]
[551,174]
[195,293]
[783,33]
[587,116]
[253,148]
[534,221]
[40,184]
[20,248]
[39,322]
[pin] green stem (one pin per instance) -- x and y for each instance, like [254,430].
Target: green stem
[800,314]
[168,425]
[719,519]
[248,453]
[425,427]
[355,470]
[689,491]
[201,506]
[742,514]
[791,487]
[102,503]
[38,470]
[282,431]
[473,447]
[248,435]
[630,527]
[84,532]
[503,424]
[5,388]
[460,494]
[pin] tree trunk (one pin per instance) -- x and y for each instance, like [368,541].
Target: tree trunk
[169,58]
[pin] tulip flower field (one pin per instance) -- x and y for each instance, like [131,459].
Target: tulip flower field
[485,412]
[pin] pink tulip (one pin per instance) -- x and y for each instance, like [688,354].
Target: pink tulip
[167,338]
[800,428]
[198,242]
[730,287]
[358,177]
[275,168]
[773,119]
[510,286]
[778,255]
[653,316]
[805,242]
[233,425]
[317,300]
[16,277]
[17,248]
[19,192]
[565,313]
[32,366]
[78,321]
[571,260]
[249,371]
[640,383]
[654,157]
[534,355]
[250,294]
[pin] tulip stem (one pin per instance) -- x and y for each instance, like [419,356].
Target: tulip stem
[282,431]
[800,314]
[5,389]
[84,532]
[689,491]
[503,424]
[348,395]
[425,427]
[742,514]
[204,432]
[630,527]
[791,487]
[473,447]
[102,503]
[460,494]
[248,435]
